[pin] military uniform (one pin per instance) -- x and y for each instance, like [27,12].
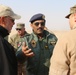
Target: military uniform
[16,41]
[42,48]
[63,61]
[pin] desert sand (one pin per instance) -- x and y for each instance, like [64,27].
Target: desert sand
[56,32]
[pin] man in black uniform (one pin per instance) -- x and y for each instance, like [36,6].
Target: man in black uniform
[8,63]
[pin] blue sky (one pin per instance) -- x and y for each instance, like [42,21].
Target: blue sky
[54,11]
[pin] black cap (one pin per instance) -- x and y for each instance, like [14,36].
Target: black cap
[37,17]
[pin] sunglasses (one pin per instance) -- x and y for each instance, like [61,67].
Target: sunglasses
[18,29]
[41,23]
[12,20]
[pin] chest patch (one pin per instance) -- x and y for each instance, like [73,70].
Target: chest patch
[33,43]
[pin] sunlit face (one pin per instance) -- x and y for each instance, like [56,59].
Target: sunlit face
[8,23]
[72,20]
[21,31]
[38,26]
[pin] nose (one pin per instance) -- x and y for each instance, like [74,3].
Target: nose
[39,25]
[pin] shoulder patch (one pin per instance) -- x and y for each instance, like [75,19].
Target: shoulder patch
[52,43]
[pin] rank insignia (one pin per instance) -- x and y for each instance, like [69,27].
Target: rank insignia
[53,43]
[43,17]
[33,43]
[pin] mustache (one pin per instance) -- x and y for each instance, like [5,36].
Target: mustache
[40,28]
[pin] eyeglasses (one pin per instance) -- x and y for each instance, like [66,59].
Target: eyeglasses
[12,20]
[18,29]
[41,23]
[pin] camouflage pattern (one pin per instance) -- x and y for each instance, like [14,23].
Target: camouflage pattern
[42,48]
[20,25]
[16,41]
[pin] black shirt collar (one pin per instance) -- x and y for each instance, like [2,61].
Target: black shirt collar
[3,32]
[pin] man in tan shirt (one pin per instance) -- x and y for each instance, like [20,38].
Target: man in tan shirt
[63,61]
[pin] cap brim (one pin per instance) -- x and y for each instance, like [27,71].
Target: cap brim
[67,16]
[18,27]
[15,16]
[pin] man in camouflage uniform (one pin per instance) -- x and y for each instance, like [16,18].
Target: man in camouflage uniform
[16,40]
[38,47]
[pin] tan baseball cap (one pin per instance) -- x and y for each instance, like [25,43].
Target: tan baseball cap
[72,10]
[20,25]
[7,11]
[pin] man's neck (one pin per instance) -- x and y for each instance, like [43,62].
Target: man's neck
[40,36]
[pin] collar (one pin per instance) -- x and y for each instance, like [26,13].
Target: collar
[3,32]
[45,34]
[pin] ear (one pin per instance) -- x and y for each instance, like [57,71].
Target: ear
[3,20]
[31,24]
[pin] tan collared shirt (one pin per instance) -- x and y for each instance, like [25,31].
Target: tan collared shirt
[63,61]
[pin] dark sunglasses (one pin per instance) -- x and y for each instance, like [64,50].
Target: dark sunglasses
[18,29]
[12,20]
[41,23]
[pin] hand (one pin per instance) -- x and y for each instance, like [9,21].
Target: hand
[28,52]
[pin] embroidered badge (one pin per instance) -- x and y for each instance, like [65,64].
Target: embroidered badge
[53,43]
[33,43]
[46,47]
[43,17]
